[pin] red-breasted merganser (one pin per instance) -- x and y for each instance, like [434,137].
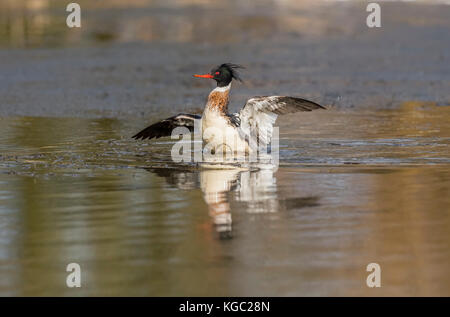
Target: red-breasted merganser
[224,131]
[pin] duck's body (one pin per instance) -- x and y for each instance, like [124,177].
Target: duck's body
[219,129]
[244,131]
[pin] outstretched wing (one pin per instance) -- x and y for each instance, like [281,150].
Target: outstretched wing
[259,114]
[166,126]
[278,105]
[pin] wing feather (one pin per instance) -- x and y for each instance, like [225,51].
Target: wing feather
[166,126]
[260,113]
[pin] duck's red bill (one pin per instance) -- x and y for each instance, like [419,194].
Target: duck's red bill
[204,76]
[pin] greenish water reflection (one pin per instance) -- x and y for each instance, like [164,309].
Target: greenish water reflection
[80,190]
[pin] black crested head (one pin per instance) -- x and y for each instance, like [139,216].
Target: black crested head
[224,74]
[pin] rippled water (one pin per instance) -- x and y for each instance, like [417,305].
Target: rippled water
[353,187]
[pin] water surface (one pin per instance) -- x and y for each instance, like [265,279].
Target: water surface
[353,187]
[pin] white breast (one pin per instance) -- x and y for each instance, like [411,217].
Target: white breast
[218,133]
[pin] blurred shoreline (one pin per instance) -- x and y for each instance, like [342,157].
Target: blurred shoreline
[134,60]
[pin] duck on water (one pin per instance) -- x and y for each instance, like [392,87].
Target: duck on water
[243,132]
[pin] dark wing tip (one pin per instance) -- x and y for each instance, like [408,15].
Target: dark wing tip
[142,135]
[155,130]
[303,104]
[165,127]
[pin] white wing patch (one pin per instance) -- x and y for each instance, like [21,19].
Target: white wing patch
[259,114]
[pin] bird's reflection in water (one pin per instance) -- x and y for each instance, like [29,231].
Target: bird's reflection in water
[256,190]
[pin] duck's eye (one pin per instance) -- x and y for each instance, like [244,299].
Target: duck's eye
[217,73]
